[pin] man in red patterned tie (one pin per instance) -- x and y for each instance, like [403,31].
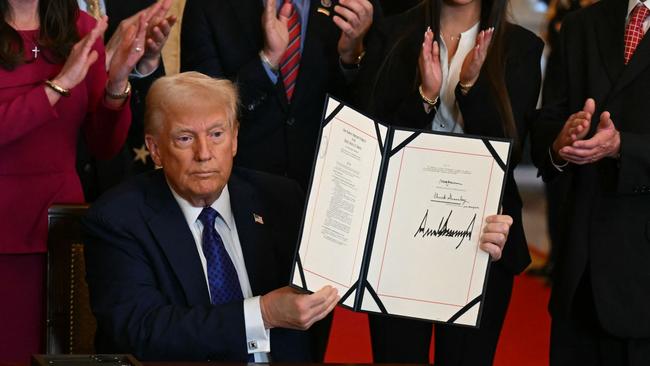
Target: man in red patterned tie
[285,55]
[597,131]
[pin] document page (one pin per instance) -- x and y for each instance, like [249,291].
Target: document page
[425,261]
[340,201]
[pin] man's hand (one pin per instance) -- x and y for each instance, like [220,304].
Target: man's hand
[276,32]
[605,143]
[354,18]
[288,308]
[495,235]
[575,128]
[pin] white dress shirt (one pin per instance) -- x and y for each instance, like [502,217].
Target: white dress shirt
[631,5]
[258,338]
[448,117]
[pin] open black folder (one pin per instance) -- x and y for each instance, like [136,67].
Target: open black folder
[393,217]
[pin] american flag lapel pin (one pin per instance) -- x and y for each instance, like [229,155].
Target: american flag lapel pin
[258,219]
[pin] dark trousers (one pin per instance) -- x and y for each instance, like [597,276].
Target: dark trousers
[578,339]
[397,340]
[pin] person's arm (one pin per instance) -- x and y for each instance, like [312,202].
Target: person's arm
[108,120]
[523,80]
[136,317]
[200,52]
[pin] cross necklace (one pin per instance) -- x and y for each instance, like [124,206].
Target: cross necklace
[36,51]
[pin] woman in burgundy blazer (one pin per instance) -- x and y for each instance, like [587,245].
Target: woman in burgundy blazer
[53,85]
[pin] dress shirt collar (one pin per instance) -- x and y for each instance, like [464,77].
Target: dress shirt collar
[632,4]
[298,3]
[221,205]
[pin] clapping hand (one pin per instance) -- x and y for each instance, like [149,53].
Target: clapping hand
[430,69]
[475,58]
[81,57]
[276,32]
[606,142]
[127,54]
[354,18]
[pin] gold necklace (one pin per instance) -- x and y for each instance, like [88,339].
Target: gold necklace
[452,37]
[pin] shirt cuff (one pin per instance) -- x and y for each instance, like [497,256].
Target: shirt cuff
[348,73]
[557,166]
[258,338]
[273,76]
[136,74]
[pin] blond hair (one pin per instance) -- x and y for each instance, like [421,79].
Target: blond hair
[191,91]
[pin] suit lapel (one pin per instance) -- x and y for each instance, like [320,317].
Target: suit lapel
[640,61]
[253,236]
[610,30]
[168,226]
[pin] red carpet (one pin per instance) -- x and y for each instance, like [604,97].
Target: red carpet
[524,340]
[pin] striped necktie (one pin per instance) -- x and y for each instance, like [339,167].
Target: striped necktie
[290,63]
[634,30]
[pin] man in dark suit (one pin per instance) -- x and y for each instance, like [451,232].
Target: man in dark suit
[97,176]
[246,40]
[190,262]
[596,129]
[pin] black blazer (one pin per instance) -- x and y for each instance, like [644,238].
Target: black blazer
[609,213]
[389,92]
[97,176]
[147,287]
[222,38]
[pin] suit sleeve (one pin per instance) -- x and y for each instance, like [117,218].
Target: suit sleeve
[634,171]
[199,52]
[136,316]
[553,115]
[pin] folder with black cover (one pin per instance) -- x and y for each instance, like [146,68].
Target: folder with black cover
[393,217]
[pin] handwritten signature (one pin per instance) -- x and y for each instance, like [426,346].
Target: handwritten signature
[449,198]
[445,230]
[448,182]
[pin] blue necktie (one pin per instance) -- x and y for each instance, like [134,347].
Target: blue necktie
[222,276]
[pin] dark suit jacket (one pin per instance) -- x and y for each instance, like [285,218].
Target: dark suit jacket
[147,287]
[97,176]
[609,227]
[222,38]
[390,93]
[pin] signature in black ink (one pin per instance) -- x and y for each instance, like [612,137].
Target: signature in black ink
[449,199]
[448,182]
[444,230]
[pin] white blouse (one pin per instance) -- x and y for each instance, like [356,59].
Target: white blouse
[448,117]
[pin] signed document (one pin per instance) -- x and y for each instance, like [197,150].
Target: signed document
[394,216]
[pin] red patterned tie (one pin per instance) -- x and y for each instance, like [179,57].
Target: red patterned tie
[290,62]
[634,30]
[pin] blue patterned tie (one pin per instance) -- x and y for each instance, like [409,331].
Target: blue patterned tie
[222,276]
